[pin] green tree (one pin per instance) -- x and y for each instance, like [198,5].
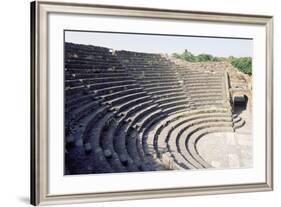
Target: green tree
[204,58]
[244,64]
[186,55]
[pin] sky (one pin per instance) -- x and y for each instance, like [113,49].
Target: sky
[222,47]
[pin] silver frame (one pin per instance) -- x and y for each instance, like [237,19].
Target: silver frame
[39,100]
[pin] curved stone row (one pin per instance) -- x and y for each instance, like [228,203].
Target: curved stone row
[238,122]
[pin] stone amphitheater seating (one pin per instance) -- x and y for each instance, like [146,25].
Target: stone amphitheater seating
[157,77]
[128,111]
[171,136]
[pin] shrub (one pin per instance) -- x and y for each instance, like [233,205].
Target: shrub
[244,64]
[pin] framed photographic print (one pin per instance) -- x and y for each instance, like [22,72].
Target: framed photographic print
[133,103]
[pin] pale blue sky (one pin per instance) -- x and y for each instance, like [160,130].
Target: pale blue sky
[163,44]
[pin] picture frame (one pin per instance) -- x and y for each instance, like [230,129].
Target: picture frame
[40,101]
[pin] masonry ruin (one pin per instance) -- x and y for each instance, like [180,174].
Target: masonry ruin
[128,111]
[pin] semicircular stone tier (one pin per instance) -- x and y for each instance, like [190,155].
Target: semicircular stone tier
[128,112]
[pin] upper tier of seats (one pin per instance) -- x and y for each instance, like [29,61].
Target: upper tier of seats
[157,76]
[206,82]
